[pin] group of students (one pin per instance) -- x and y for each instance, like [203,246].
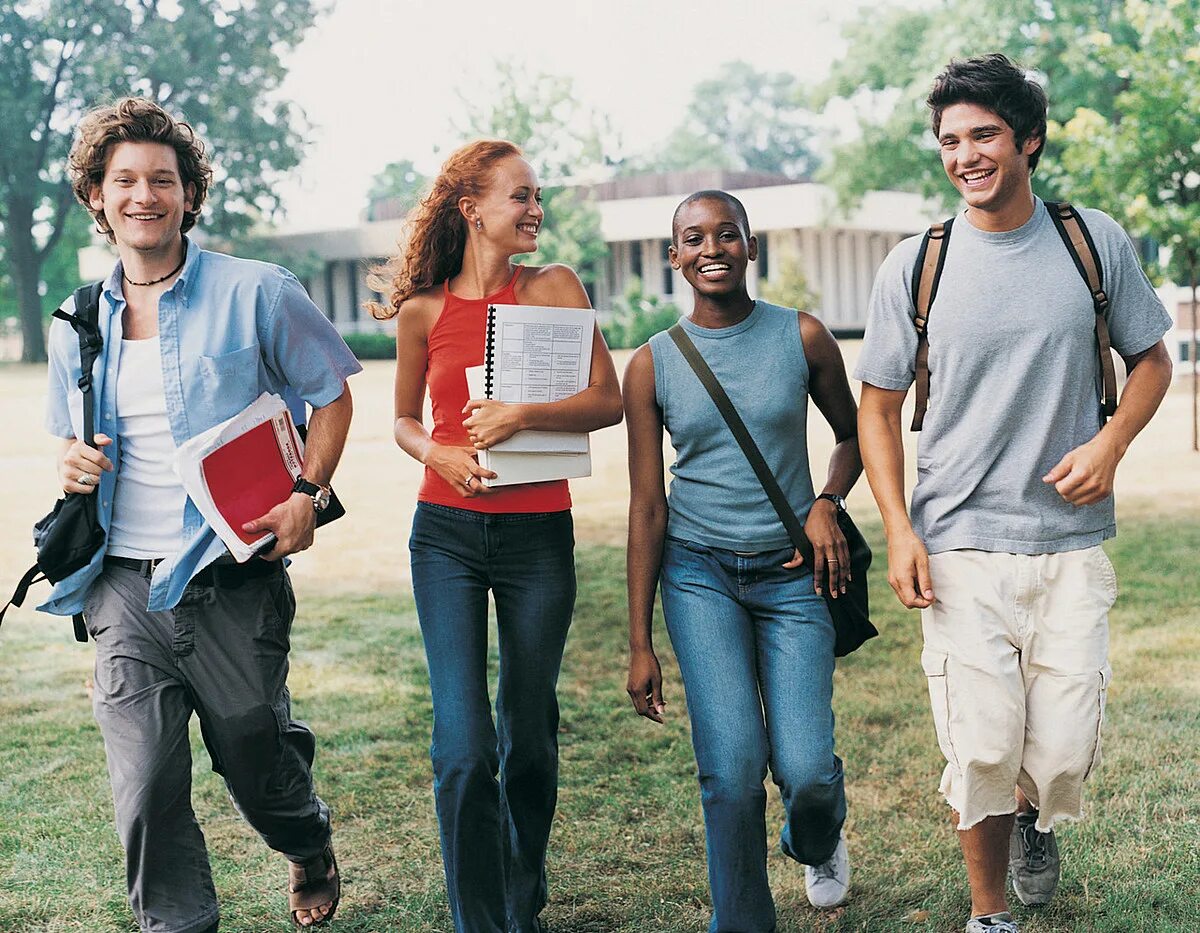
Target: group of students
[1000,550]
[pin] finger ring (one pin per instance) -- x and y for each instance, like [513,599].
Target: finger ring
[467,481]
[85,479]
[830,560]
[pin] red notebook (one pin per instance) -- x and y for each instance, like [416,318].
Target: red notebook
[253,473]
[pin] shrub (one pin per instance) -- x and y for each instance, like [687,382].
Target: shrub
[372,346]
[637,317]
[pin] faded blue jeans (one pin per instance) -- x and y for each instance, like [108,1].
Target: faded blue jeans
[755,648]
[494,832]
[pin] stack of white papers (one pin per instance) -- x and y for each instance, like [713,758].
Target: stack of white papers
[240,469]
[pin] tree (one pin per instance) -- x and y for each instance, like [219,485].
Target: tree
[563,140]
[1144,168]
[398,186]
[218,62]
[790,287]
[742,119]
[894,54]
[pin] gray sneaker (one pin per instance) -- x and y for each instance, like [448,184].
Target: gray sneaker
[1032,861]
[993,923]
[828,884]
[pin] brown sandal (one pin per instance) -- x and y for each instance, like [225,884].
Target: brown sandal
[313,883]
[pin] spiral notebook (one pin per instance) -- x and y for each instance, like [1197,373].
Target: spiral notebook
[538,354]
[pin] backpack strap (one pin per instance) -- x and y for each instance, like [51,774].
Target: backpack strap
[1079,243]
[926,275]
[85,321]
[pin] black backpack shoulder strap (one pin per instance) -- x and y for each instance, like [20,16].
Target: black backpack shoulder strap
[86,322]
[926,275]
[1078,240]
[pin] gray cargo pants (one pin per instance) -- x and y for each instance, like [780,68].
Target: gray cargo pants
[223,653]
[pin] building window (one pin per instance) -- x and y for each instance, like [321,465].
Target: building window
[330,310]
[1185,351]
[635,259]
[668,280]
[764,259]
[355,277]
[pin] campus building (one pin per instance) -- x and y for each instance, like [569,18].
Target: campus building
[796,223]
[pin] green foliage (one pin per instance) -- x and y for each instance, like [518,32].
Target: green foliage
[1144,168]
[741,119]
[372,346]
[894,54]
[560,138]
[397,181]
[636,317]
[627,850]
[218,62]
[789,287]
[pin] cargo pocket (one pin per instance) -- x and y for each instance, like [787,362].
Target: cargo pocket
[1106,575]
[1103,676]
[934,665]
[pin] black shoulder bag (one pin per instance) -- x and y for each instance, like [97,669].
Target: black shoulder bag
[850,611]
[68,538]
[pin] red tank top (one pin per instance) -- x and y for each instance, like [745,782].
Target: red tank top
[455,343]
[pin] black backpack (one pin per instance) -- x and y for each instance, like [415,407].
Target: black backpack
[1077,239]
[68,538]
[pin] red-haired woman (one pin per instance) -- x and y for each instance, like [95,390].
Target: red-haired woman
[517,541]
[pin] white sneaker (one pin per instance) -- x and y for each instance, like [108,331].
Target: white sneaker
[828,884]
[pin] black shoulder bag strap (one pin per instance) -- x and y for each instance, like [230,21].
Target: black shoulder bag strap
[926,275]
[85,321]
[1077,239]
[770,485]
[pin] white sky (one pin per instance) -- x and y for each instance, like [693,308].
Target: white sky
[380,79]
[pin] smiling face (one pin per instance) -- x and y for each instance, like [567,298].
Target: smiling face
[711,247]
[143,197]
[982,160]
[510,209]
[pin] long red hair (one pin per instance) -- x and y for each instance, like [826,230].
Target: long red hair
[437,230]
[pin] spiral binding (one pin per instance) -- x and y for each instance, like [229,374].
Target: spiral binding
[489,351]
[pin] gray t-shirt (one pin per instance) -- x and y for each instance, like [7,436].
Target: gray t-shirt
[1014,378]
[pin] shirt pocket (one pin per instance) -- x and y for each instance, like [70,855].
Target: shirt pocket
[229,381]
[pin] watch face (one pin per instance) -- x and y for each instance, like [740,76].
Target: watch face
[321,499]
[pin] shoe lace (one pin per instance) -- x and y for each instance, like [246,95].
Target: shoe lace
[1034,845]
[827,870]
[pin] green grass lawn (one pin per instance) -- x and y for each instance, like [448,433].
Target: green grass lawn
[628,846]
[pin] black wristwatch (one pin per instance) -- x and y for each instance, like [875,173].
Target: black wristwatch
[320,494]
[837,500]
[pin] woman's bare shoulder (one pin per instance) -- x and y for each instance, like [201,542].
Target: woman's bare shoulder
[555,285]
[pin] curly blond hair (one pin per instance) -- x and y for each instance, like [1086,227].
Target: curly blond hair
[135,120]
[437,231]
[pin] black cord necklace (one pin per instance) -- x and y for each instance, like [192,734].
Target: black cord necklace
[164,278]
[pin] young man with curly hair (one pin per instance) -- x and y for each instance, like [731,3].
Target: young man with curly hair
[1015,473]
[190,337]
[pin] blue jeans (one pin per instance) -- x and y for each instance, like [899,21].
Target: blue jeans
[755,648]
[494,832]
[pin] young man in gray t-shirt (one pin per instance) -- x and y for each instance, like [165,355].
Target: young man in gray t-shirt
[1014,480]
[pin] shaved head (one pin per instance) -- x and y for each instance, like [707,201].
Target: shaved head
[711,194]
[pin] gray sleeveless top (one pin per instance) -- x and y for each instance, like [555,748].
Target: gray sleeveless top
[715,499]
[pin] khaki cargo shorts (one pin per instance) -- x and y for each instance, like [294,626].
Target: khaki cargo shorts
[1016,655]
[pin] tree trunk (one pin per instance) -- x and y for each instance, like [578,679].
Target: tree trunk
[1195,363]
[25,266]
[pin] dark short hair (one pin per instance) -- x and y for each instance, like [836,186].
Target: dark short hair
[135,120]
[712,194]
[995,82]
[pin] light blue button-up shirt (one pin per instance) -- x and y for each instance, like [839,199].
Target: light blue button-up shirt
[230,329]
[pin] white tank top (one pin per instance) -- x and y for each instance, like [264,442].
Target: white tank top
[147,516]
